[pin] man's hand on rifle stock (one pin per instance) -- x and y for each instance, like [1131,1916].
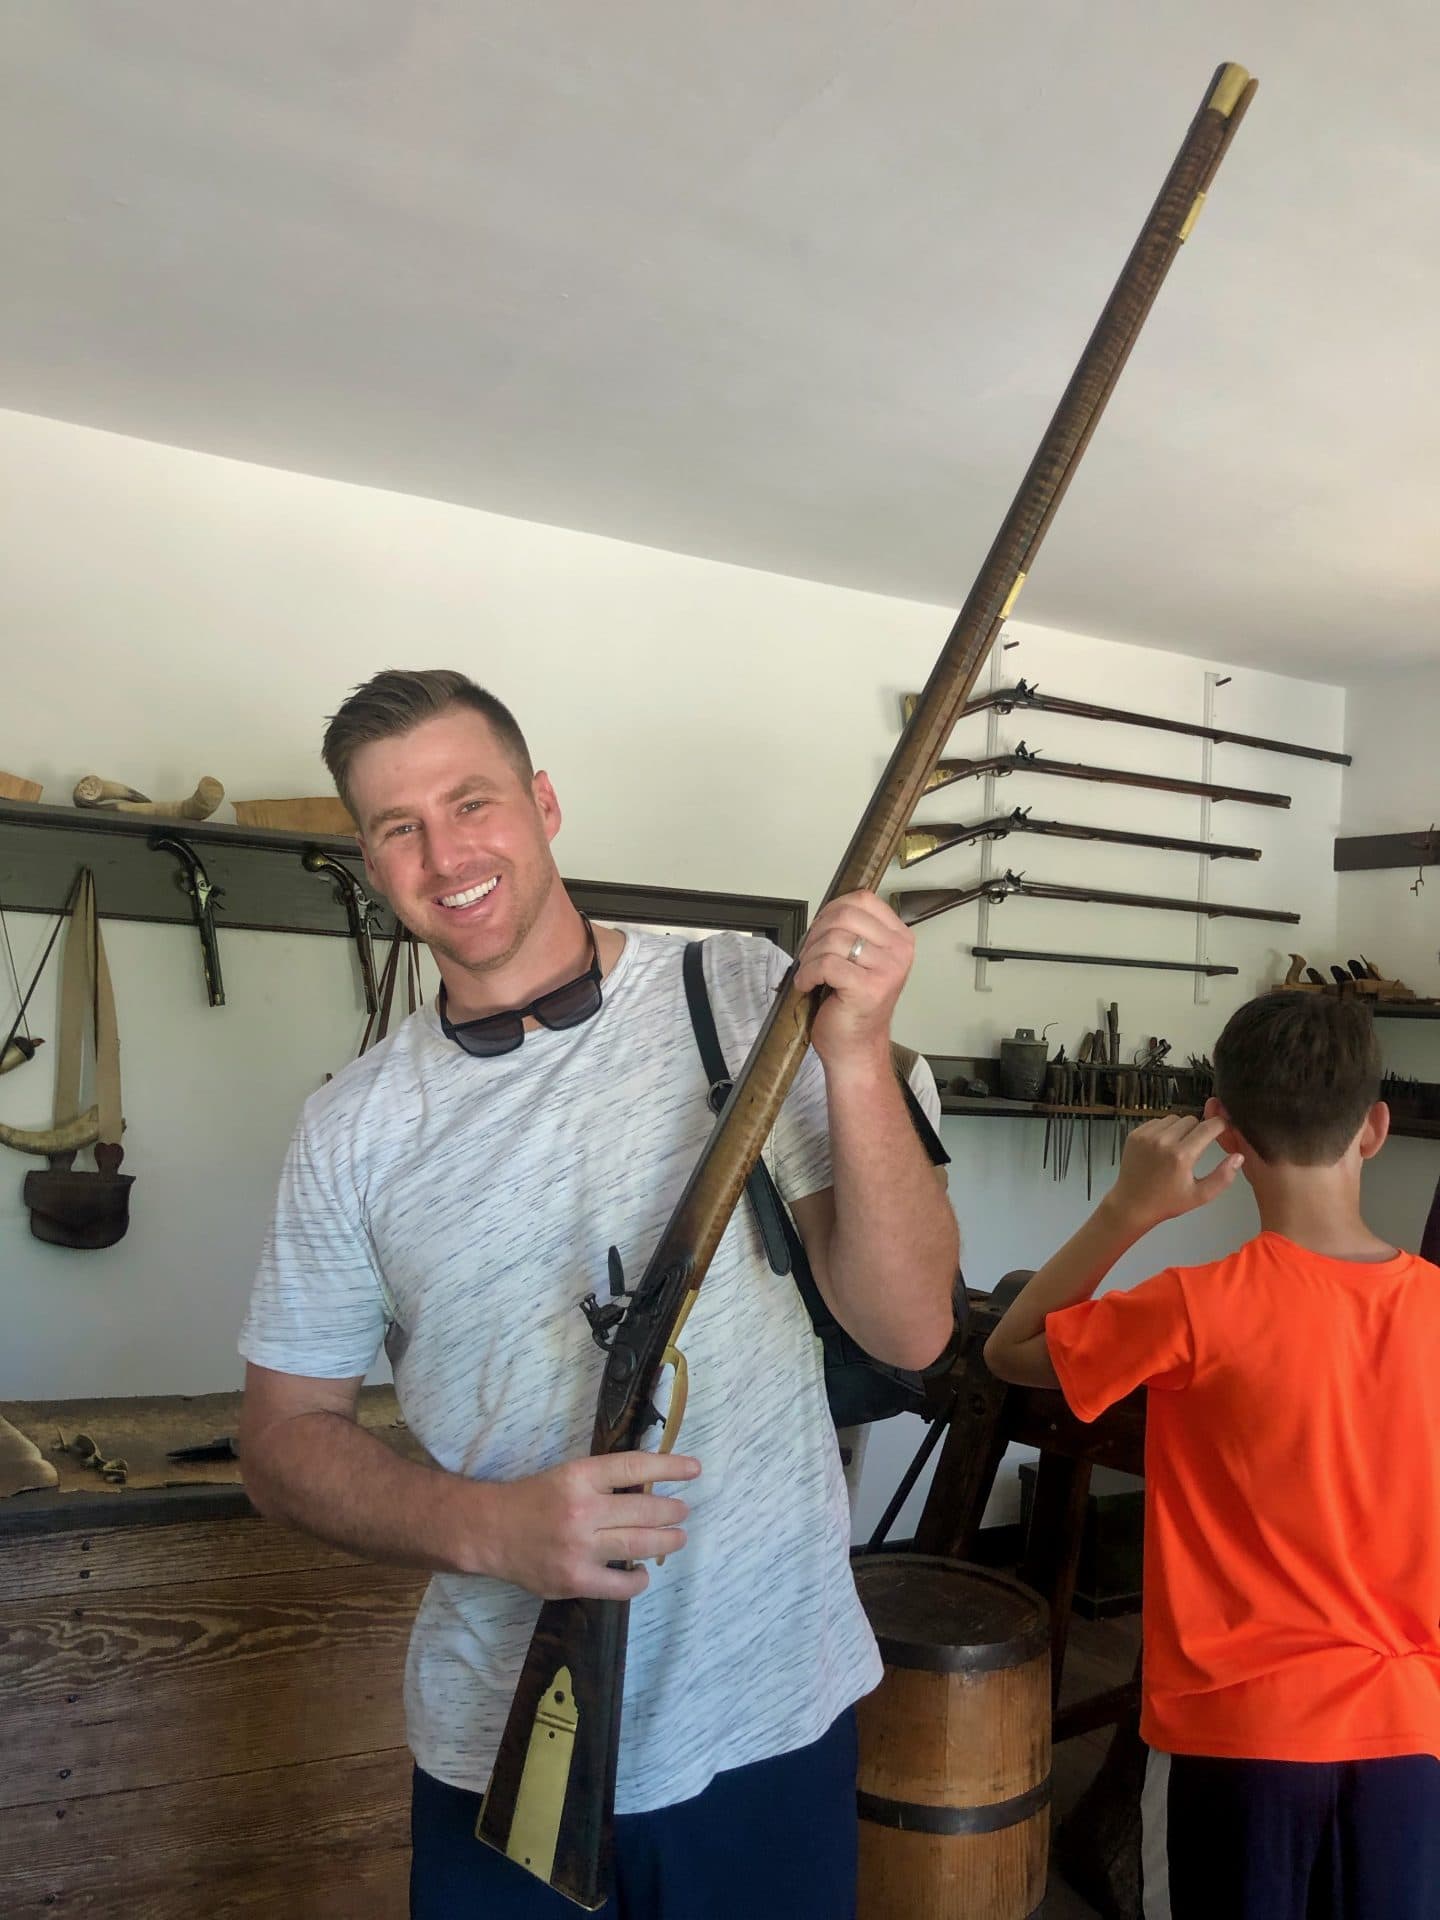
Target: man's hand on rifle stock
[861,950]
[555,1533]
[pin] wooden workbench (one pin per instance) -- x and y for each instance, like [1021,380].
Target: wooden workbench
[202,1709]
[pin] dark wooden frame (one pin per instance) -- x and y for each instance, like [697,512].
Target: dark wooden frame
[783,921]
[266,889]
[1365,852]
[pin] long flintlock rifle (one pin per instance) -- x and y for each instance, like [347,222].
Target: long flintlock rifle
[920,843]
[551,1797]
[1026,694]
[914,904]
[1028,760]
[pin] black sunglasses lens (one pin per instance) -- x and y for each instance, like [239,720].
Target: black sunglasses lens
[484,1039]
[570,1005]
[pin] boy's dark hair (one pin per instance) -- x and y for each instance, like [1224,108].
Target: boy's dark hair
[394,702]
[1297,1073]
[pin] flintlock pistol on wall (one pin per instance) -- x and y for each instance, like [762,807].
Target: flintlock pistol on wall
[194,880]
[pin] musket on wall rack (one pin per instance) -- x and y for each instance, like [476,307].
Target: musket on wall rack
[550,1801]
[1029,697]
[1210,969]
[921,843]
[1030,760]
[914,904]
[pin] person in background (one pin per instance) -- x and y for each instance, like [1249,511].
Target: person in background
[1291,1685]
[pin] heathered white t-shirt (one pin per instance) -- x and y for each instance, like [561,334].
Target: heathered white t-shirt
[457,1210]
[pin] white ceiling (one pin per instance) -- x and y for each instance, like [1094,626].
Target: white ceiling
[793,283]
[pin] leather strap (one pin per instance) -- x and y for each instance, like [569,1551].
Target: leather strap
[764,1199]
[87,999]
[377,1027]
[777,1230]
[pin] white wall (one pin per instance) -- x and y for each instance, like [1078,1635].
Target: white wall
[167,614]
[1392,731]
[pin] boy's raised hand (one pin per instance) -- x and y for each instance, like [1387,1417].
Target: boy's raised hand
[1157,1179]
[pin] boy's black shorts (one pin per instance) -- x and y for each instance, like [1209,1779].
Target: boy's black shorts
[1291,1839]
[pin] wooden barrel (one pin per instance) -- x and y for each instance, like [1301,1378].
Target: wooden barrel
[954,1779]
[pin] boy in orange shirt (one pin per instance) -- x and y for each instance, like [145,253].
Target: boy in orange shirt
[1292,1487]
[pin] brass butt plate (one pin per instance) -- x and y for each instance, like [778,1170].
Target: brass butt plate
[540,1802]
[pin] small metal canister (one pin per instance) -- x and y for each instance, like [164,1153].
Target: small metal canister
[1022,1064]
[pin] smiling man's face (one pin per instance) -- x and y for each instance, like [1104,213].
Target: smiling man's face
[456,837]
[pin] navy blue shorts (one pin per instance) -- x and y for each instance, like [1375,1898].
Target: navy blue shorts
[1291,1839]
[772,1841]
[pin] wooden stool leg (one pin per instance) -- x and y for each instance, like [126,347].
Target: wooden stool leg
[1098,1846]
[974,1446]
[969,1461]
[1052,1548]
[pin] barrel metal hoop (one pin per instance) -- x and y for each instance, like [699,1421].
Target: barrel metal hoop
[992,1658]
[913,1817]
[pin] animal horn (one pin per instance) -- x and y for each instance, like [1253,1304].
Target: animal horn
[18,1052]
[83,1131]
[92,791]
[117,799]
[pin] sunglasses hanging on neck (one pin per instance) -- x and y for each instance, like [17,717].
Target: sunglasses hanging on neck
[570,1005]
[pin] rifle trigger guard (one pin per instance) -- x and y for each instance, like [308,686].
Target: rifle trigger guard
[675,1413]
[719,1093]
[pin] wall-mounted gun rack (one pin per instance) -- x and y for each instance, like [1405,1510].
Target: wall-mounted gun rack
[263,884]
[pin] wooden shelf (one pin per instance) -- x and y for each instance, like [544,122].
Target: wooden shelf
[266,889]
[1367,852]
[967,1107]
[972,1106]
[257,872]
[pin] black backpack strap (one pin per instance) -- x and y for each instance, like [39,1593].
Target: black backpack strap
[920,1120]
[783,1245]
[774,1223]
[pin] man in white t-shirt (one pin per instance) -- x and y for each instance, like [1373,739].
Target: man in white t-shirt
[452,1196]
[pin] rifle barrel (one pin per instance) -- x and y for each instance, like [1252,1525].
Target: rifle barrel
[915,904]
[1101,960]
[921,842]
[1008,699]
[947,771]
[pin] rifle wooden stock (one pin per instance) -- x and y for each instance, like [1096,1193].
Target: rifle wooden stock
[1008,699]
[948,771]
[575,1803]
[921,843]
[915,904]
